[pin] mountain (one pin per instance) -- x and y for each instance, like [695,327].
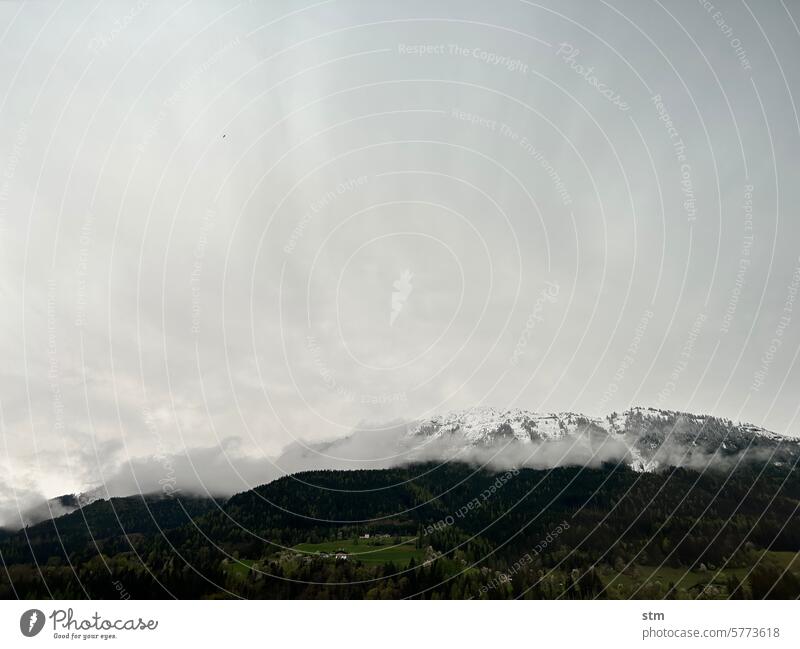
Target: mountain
[645,439]
[431,530]
[54,508]
[107,525]
[645,503]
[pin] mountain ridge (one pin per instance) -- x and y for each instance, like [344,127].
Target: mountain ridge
[645,438]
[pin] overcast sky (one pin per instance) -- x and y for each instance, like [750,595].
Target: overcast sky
[229,226]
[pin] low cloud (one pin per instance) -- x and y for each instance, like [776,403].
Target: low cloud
[22,506]
[227,468]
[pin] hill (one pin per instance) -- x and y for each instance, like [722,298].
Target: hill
[445,530]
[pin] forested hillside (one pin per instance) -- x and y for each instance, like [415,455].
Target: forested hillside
[431,531]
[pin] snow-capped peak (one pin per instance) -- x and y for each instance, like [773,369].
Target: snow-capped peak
[648,437]
[485,424]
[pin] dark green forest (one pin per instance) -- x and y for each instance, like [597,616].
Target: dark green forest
[433,532]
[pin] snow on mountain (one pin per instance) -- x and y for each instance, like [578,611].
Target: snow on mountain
[649,437]
[487,425]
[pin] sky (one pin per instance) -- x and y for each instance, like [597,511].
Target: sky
[226,227]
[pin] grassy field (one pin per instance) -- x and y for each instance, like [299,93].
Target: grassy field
[633,579]
[368,550]
[238,567]
[637,581]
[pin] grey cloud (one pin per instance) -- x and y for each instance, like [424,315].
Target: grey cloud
[145,253]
